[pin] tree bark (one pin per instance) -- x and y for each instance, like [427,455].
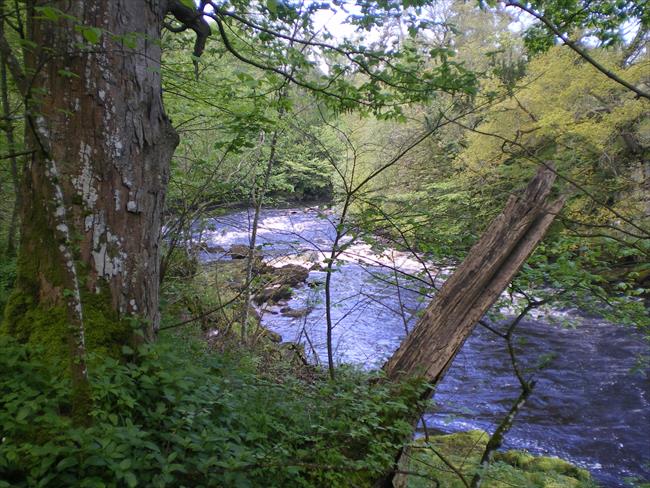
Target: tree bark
[94,189]
[487,270]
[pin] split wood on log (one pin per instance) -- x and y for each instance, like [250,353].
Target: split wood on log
[490,266]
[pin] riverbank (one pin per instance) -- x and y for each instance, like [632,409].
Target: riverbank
[453,459]
[590,405]
[225,277]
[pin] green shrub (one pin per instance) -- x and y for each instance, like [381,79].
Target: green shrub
[7,278]
[171,415]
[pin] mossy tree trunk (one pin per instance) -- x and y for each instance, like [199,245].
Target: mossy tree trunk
[94,187]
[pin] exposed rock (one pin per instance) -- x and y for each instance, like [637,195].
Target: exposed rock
[272,336]
[239,251]
[273,294]
[295,351]
[214,249]
[545,464]
[290,274]
[295,313]
[260,267]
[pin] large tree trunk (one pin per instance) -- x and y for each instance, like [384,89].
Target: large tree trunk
[94,188]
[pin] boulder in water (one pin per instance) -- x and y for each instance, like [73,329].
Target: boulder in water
[239,251]
[214,249]
[295,312]
[273,294]
[290,274]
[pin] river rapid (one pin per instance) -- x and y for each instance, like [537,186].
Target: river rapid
[589,405]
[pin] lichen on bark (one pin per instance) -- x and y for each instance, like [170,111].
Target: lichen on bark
[95,185]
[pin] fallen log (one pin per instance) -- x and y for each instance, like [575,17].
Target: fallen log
[492,263]
[478,282]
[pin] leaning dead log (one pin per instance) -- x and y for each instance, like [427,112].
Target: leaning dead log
[490,266]
[492,263]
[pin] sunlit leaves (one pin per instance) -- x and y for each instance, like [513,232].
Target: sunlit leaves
[538,40]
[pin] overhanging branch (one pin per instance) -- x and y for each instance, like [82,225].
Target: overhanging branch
[581,52]
[191,19]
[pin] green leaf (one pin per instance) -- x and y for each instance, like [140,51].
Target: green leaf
[272,5]
[130,479]
[67,74]
[95,461]
[91,34]
[66,463]
[130,41]
[22,414]
[50,13]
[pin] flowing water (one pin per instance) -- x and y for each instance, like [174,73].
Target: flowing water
[588,406]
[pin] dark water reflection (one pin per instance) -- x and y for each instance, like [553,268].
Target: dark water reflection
[588,405]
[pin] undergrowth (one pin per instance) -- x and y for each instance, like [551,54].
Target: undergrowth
[175,414]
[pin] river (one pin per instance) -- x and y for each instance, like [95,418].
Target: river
[589,405]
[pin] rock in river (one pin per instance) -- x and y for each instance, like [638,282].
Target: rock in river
[239,251]
[290,274]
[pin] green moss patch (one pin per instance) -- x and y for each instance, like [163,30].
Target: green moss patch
[463,451]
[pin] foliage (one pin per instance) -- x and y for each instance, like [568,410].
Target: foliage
[7,277]
[601,20]
[172,413]
[593,132]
